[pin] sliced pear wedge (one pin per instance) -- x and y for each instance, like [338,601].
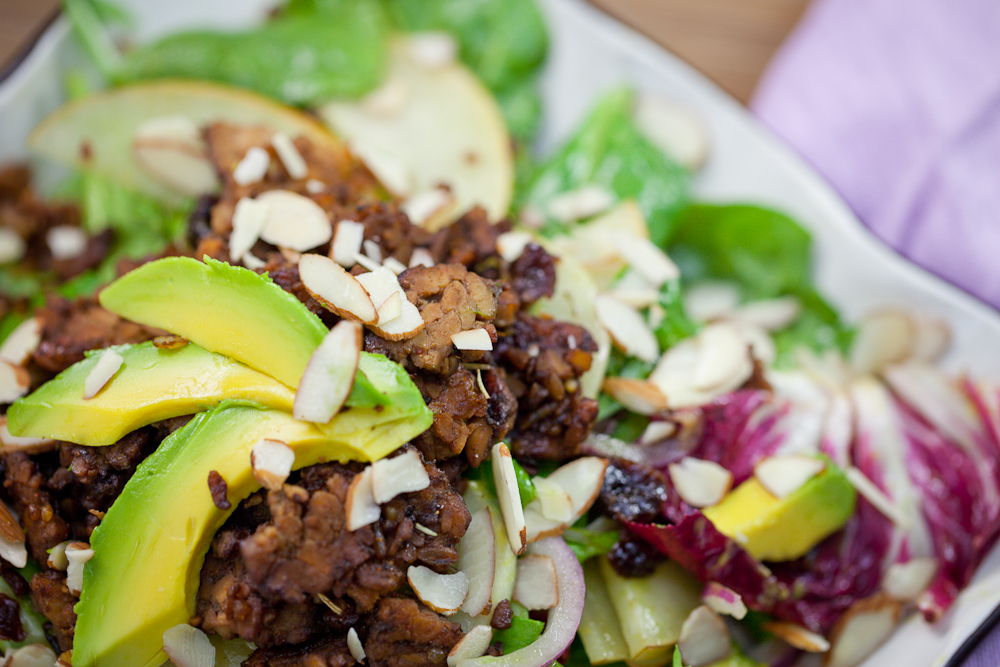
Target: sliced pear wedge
[444,128]
[99,131]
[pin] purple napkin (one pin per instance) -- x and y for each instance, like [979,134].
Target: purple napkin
[897,104]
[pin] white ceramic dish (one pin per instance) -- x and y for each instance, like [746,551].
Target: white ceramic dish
[591,53]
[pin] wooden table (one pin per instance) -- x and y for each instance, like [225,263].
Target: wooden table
[729,40]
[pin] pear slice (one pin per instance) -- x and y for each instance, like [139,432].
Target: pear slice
[446,129]
[98,131]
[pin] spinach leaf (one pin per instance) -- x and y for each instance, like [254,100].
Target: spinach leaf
[763,250]
[675,325]
[587,543]
[609,151]
[300,57]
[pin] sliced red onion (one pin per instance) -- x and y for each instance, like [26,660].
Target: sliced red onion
[563,620]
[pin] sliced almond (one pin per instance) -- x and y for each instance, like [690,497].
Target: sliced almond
[66,241]
[289,155]
[473,339]
[876,496]
[511,245]
[347,241]
[400,474]
[798,637]
[32,655]
[554,500]
[708,301]
[78,554]
[12,547]
[510,500]
[354,645]
[107,365]
[626,327]
[535,585]
[373,250]
[252,262]
[187,646]
[329,376]
[584,202]
[253,167]
[645,258]
[882,339]
[863,628]
[770,314]
[722,356]
[12,246]
[314,186]
[22,342]
[421,257]
[639,396]
[477,558]
[657,431]
[676,370]
[294,221]
[336,289]
[704,638]
[444,593]
[724,600]
[433,50]
[13,443]
[783,475]
[700,483]
[170,149]
[249,218]
[581,479]
[57,557]
[366,262]
[394,265]
[933,339]
[382,283]
[390,309]
[674,129]
[271,462]
[360,506]
[430,209]
[472,645]
[906,581]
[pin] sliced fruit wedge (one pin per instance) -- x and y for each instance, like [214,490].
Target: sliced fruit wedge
[443,128]
[98,131]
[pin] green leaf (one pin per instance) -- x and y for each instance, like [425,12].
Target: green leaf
[522,632]
[677,657]
[587,543]
[817,328]
[298,58]
[525,488]
[675,325]
[765,251]
[608,150]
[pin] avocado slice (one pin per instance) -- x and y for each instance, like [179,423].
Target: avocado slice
[148,550]
[225,309]
[153,384]
[779,529]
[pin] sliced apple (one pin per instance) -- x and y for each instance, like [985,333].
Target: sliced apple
[97,131]
[477,558]
[447,130]
[400,474]
[336,289]
[862,629]
[329,376]
[443,593]
[535,585]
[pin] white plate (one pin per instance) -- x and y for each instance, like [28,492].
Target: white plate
[591,53]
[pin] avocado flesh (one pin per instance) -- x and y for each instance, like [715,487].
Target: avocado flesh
[780,529]
[225,309]
[152,384]
[148,551]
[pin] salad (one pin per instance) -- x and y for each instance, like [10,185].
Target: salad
[405,394]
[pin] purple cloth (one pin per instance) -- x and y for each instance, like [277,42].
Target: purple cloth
[897,104]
